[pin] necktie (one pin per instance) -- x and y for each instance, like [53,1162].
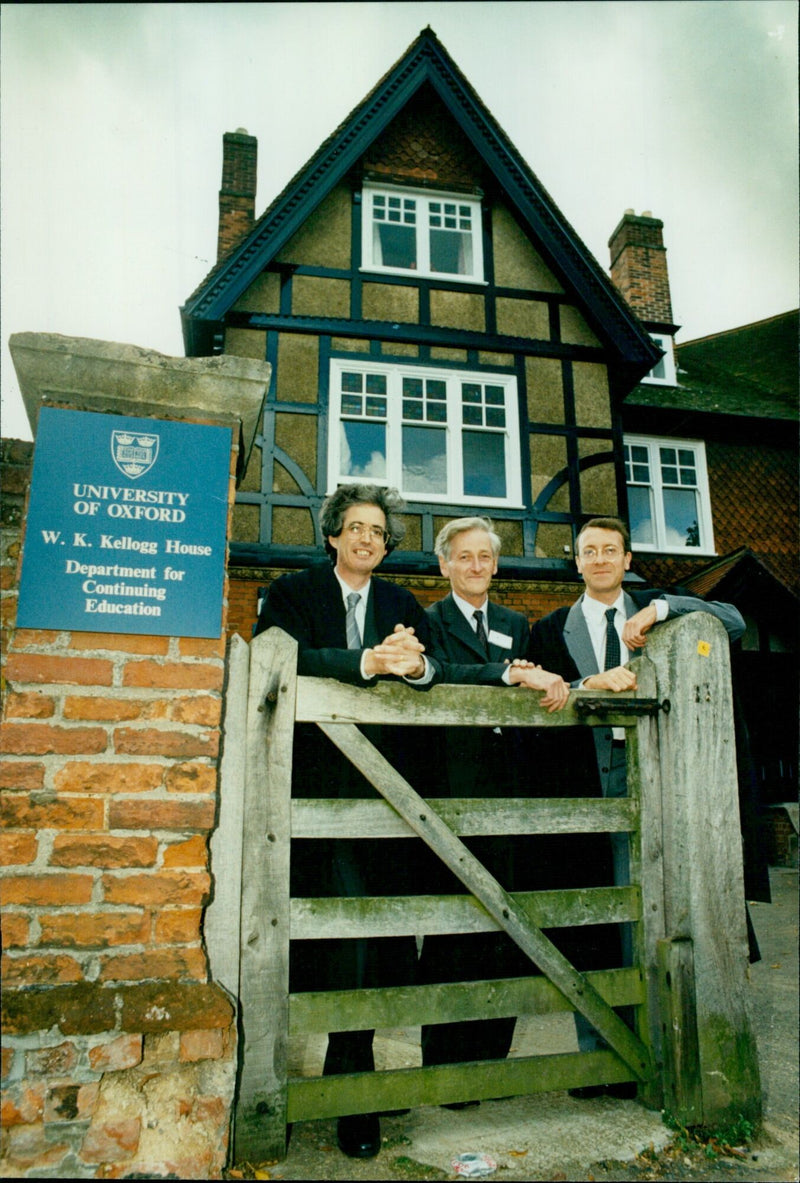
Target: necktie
[350,622]
[613,658]
[483,640]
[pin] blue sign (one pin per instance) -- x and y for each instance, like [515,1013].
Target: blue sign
[127,526]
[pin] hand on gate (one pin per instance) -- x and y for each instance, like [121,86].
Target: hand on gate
[527,673]
[399,654]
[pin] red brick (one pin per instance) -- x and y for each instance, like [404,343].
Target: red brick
[112,1142]
[161,815]
[40,667]
[169,964]
[173,676]
[29,1146]
[80,930]
[20,775]
[191,778]
[113,710]
[157,889]
[83,777]
[38,890]
[192,853]
[30,705]
[15,931]
[124,1052]
[52,1061]
[37,739]
[202,646]
[25,637]
[153,742]
[204,711]
[121,643]
[71,1102]
[202,1045]
[21,812]
[178,926]
[40,970]
[17,850]
[103,850]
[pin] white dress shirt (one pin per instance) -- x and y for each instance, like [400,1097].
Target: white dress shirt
[594,613]
[361,620]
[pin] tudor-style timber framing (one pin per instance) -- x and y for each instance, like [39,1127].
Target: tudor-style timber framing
[297,291]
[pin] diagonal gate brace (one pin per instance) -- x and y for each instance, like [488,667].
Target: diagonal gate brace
[498,903]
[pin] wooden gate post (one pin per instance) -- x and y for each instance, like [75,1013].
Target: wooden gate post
[260,1116]
[704,976]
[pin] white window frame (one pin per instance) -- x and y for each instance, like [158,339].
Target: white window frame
[668,375]
[423,198]
[661,545]
[393,476]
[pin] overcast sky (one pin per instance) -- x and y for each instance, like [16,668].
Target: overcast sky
[112,117]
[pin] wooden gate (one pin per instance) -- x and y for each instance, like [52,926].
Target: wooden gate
[692,1050]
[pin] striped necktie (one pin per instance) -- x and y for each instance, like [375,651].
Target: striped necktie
[350,622]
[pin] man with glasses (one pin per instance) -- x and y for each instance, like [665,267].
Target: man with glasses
[355,627]
[589,645]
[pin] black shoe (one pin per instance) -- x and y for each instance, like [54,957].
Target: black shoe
[460,1105]
[624,1092]
[359,1135]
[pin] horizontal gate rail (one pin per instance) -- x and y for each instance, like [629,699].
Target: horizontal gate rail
[334,917]
[466,816]
[401,1006]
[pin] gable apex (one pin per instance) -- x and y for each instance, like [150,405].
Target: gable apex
[426,61]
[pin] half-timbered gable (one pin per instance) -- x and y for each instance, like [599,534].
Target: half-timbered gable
[434,324]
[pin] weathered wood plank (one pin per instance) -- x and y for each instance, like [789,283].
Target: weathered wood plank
[323,700]
[429,826]
[333,1096]
[260,1118]
[408,1006]
[683,1092]
[466,816]
[702,850]
[334,918]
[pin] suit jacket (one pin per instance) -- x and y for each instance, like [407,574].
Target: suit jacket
[561,643]
[454,643]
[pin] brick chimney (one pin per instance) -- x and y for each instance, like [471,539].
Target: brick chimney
[639,267]
[237,197]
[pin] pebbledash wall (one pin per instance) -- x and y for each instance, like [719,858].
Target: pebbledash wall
[118,1050]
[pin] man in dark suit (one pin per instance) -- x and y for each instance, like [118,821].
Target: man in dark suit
[589,644]
[475,640]
[354,627]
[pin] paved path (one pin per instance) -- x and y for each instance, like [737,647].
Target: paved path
[554,1136]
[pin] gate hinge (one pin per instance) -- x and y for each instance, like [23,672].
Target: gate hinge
[620,706]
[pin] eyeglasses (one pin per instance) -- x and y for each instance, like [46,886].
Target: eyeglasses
[607,552]
[362,530]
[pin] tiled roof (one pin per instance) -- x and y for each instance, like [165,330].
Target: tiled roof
[751,370]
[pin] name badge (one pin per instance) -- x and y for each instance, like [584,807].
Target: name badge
[501,639]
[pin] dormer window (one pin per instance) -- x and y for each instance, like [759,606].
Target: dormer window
[429,234]
[663,371]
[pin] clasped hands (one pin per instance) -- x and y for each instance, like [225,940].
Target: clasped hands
[399,654]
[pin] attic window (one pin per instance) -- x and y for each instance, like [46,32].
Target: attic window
[663,372]
[430,234]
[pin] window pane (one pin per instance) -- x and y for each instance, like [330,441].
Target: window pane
[424,460]
[412,387]
[436,389]
[472,416]
[495,417]
[681,518]
[351,404]
[640,507]
[352,382]
[669,475]
[451,252]
[495,396]
[363,449]
[484,462]
[395,246]
[376,408]
[412,408]
[376,384]
[470,392]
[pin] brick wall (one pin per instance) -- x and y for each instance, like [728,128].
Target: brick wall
[639,266]
[118,1053]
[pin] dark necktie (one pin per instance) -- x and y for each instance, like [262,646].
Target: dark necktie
[613,658]
[483,640]
[350,622]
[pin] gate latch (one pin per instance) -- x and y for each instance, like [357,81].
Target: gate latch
[620,706]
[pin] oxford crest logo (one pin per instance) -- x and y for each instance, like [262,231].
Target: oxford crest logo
[134,453]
